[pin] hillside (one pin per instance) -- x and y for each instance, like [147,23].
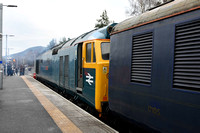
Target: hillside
[27,56]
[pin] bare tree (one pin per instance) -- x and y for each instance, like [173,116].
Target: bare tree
[140,6]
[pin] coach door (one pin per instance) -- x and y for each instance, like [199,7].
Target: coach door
[61,71]
[66,72]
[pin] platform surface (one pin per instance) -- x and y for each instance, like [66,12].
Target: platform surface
[26,105]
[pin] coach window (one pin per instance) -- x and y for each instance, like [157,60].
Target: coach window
[90,53]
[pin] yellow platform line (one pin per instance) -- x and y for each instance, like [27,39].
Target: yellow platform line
[65,125]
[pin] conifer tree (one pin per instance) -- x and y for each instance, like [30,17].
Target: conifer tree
[103,21]
[51,44]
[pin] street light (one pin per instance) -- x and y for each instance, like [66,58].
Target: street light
[7,51]
[1,21]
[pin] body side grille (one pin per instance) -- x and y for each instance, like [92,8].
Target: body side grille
[142,58]
[187,56]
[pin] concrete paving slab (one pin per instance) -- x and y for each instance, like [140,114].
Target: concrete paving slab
[83,120]
[20,110]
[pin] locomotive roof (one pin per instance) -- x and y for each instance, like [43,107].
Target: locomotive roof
[68,43]
[93,34]
[170,9]
[101,33]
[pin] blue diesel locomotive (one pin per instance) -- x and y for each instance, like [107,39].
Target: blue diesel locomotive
[154,76]
[148,72]
[80,67]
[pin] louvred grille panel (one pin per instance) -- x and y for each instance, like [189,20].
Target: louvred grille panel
[142,58]
[187,56]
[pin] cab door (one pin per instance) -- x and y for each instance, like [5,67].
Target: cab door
[95,72]
[89,72]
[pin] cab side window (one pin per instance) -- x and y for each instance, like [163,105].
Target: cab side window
[90,53]
[94,54]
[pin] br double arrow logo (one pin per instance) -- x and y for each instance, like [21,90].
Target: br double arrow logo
[89,79]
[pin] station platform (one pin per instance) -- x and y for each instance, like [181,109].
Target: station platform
[27,105]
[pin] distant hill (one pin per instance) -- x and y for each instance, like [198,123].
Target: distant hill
[27,56]
[33,50]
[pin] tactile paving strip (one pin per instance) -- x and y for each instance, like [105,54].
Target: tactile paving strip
[60,119]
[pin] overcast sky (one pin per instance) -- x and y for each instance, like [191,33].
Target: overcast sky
[36,22]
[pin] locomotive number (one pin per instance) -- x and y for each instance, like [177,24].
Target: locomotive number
[153,110]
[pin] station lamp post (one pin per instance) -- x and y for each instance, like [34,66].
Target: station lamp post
[1,61]
[7,51]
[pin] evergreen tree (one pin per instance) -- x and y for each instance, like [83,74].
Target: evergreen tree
[103,21]
[51,44]
[63,40]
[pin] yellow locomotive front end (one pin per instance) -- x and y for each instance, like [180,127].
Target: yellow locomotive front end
[95,59]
